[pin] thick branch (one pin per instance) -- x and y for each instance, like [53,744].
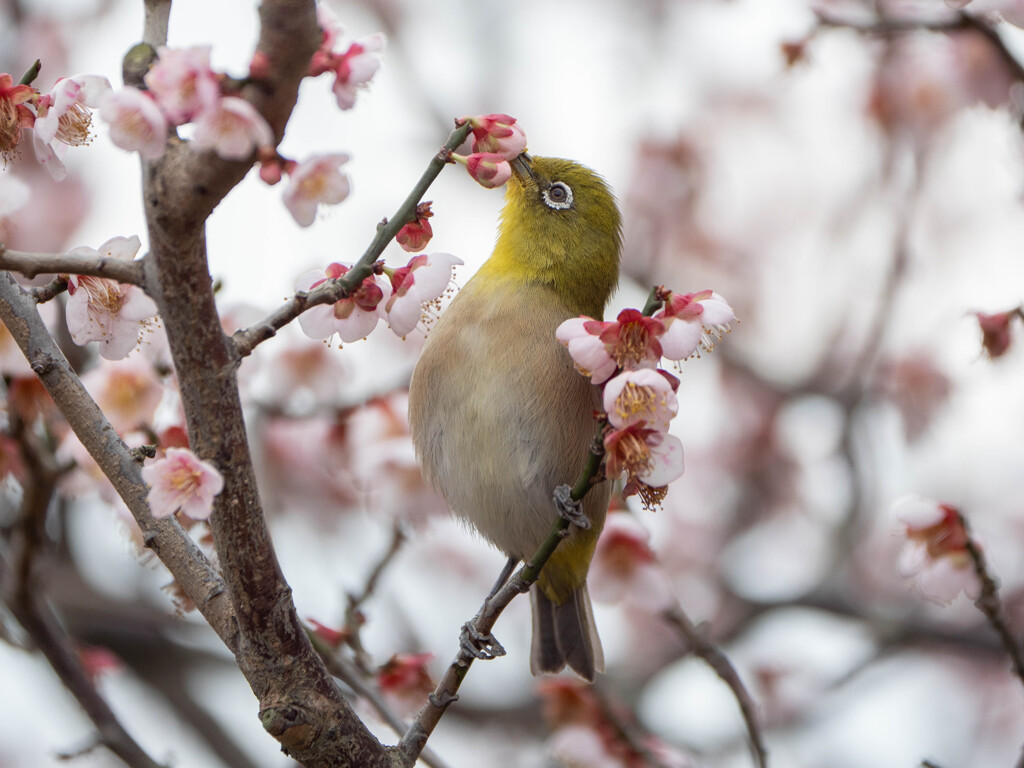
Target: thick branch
[32,264]
[176,550]
[335,290]
[300,704]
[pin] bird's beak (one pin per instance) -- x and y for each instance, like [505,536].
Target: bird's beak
[522,168]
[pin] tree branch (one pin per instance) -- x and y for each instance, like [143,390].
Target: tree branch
[334,290]
[300,704]
[447,689]
[714,658]
[42,626]
[990,605]
[172,545]
[32,264]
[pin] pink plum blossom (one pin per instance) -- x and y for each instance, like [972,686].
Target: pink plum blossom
[63,119]
[693,321]
[643,396]
[352,318]
[417,289]
[598,348]
[995,331]
[183,83]
[136,122]
[315,181]
[233,128]
[181,482]
[647,456]
[14,115]
[488,169]
[498,134]
[128,391]
[935,554]
[625,566]
[356,67]
[103,310]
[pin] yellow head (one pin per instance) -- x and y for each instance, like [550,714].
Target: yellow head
[561,228]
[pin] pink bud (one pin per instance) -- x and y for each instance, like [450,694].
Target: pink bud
[489,169]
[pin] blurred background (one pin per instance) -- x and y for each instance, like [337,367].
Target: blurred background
[847,174]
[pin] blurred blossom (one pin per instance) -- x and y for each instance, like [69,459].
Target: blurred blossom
[625,567]
[917,387]
[354,68]
[233,128]
[351,318]
[181,482]
[405,683]
[127,390]
[384,461]
[136,122]
[935,554]
[12,360]
[306,369]
[96,661]
[316,181]
[182,82]
[995,331]
[306,465]
[922,81]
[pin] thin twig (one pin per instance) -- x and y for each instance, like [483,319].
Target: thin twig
[626,730]
[353,621]
[988,603]
[44,293]
[447,689]
[39,622]
[353,677]
[32,264]
[714,658]
[334,290]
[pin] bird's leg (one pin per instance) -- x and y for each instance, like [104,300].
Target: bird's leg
[569,508]
[479,645]
[506,571]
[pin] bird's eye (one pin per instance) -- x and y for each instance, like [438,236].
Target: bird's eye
[558,196]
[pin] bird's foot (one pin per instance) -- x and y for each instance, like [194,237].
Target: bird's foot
[479,645]
[569,508]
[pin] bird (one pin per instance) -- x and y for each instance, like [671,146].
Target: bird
[499,415]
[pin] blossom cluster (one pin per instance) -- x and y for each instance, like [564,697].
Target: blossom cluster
[587,731]
[403,297]
[58,119]
[639,398]
[496,141]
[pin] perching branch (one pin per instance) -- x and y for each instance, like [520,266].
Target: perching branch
[447,689]
[704,649]
[334,290]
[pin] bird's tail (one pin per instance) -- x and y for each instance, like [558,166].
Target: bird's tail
[565,634]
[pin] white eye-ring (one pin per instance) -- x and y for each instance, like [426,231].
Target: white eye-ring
[558,196]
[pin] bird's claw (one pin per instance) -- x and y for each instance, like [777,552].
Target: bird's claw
[479,645]
[569,508]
